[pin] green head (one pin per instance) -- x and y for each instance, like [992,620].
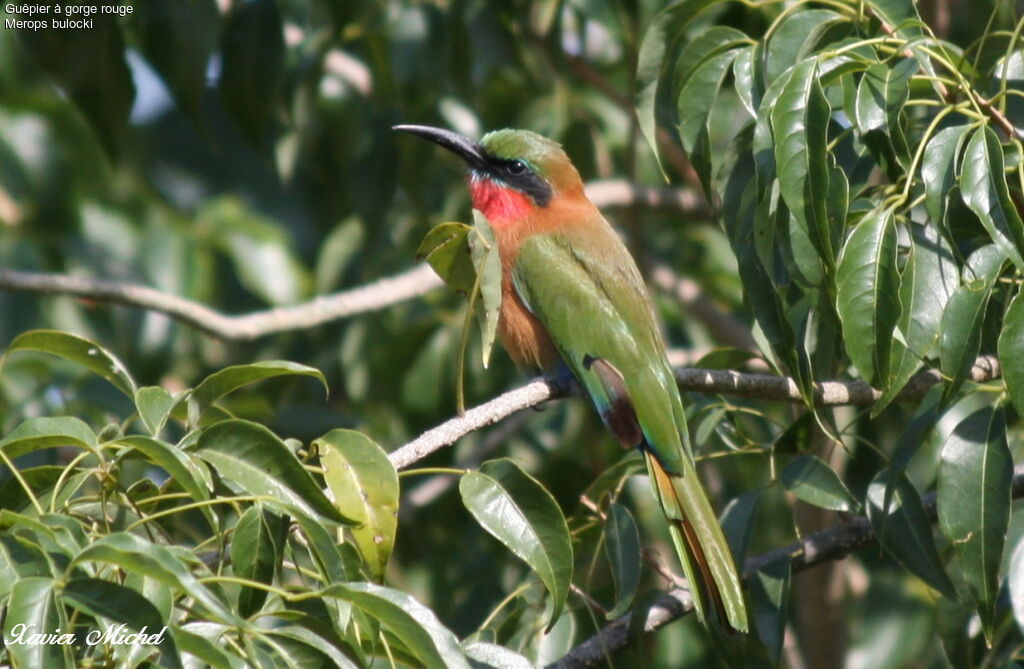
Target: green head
[520,160]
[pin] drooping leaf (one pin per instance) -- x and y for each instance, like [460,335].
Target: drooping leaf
[33,609]
[78,350]
[868,293]
[738,522]
[428,641]
[622,549]
[813,481]
[1011,352]
[694,108]
[881,95]
[178,465]
[252,52]
[365,487]
[257,548]
[254,458]
[904,529]
[795,36]
[177,38]
[938,169]
[975,476]
[484,250]
[518,511]
[963,317]
[983,187]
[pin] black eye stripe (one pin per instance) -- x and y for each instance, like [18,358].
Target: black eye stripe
[518,174]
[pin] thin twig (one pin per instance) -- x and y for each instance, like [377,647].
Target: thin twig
[834,543]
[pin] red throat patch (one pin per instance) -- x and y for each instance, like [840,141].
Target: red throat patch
[500,204]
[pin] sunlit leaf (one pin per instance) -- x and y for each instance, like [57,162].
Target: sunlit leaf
[518,511]
[39,433]
[484,250]
[1011,352]
[446,248]
[365,488]
[254,458]
[230,379]
[154,404]
[868,293]
[938,169]
[493,656]
[33,609]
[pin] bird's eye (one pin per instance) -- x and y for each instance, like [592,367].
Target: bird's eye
[516,167]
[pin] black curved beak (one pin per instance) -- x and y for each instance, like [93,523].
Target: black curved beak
[463,147]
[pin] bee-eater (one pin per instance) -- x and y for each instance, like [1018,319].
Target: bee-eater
[572,297]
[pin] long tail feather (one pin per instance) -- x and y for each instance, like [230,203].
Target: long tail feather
[701,546]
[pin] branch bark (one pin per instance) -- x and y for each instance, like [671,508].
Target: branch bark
[834,543]
[373,296]
[709,381]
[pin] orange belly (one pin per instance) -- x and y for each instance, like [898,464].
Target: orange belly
[525,339]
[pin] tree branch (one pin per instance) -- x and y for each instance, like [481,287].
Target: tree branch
[834,543]
[709,381]
[373,296]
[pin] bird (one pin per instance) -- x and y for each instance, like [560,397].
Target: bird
[573,300]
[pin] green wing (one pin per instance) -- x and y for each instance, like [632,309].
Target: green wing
[584,287]
[588,293]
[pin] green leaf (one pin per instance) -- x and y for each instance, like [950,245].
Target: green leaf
[983,188]
[257,549]
[38,433]
[795,37]
[492,655]
[738,522]
[664,30]
[975,475]
[518,511]
[622,548]
[155,405]
[484,250]
[964,316]
[19,558]
[179,466]
[868,293]
[424,637]
[135,554]
[938,170]
[89,65]
[446,248]
[177,38]
[202,648]
[929,279]
[365,487]
[120,604]
[254,458]
[230,379]
[813,481]
[1011,351]
[705,46]
[337,251]
[253,53]
[904,529]
[694,107]
[299,646]
[33,609]
[78,350]
[769,598]
[799,122]
[881,95]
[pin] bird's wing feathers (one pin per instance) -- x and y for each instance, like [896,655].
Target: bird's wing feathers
[587,292]
[585,289]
